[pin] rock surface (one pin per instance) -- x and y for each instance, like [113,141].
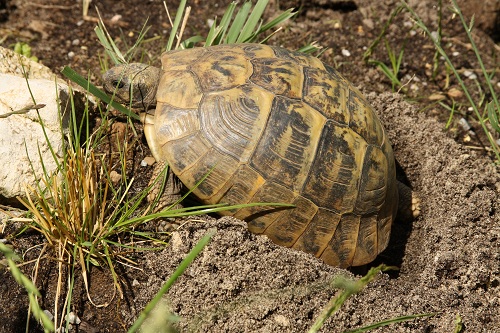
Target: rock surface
[32,114]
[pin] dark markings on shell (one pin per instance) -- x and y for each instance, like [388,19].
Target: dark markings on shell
[260,217]
[288,227]
[319,232]
[281,77]
[325,95]
[285,145]
[331,181]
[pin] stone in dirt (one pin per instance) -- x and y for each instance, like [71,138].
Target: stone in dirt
[25,136]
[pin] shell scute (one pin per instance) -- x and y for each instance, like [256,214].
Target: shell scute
[281,77]
[179,89]
[260,217]
[234,119]
[333,178]
[291,224]
[222,71]
[326,95]
[287,147]
[218,168]
[319,231]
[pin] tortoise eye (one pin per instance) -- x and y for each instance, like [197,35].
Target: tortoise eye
[118,84]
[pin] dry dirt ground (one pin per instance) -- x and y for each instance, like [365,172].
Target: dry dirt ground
[449,258]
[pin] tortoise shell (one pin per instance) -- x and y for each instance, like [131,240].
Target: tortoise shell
[268,124]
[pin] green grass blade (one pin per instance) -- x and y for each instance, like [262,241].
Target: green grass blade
[309,48]
[212,34]
[493,116]
[82,82]
[459,325]
[349,288]
[224,23]
[175,27]
[195,210]
[108,48]
[140,39]
[286,15]
[178,272]
[22,280]
[238,22]
[191,41]
[107,42]
[390,322]
[495,147]
[252,21]
[388,72]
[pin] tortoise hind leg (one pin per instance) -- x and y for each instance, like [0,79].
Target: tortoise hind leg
[409,203]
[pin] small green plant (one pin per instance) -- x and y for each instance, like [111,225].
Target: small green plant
[395,61]
[459,325]
[244,27]
[491,109]
[25,50]
[348,288]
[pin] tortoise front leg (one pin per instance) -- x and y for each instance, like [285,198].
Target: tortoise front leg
[170,193]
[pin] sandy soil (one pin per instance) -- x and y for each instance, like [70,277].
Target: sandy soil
[449,258]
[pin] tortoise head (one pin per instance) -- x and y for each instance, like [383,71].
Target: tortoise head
[136,83]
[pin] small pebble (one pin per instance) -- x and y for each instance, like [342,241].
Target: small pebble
[72,318]
[71,54]
[408,24]
[48,314]
[464,124]
[470,75]
[116,18]
[346,53]
[115,177]
[148,160]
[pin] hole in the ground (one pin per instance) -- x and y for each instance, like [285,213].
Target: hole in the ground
[495,33]
[342,6]
[4,10]
[338,6]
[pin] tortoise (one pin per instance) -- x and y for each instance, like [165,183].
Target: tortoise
[268,124]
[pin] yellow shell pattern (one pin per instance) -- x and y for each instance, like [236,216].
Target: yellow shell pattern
[271,125]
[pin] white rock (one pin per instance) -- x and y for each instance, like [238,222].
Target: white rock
[22,140]
[49,314]
[72,318]
[346,53]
